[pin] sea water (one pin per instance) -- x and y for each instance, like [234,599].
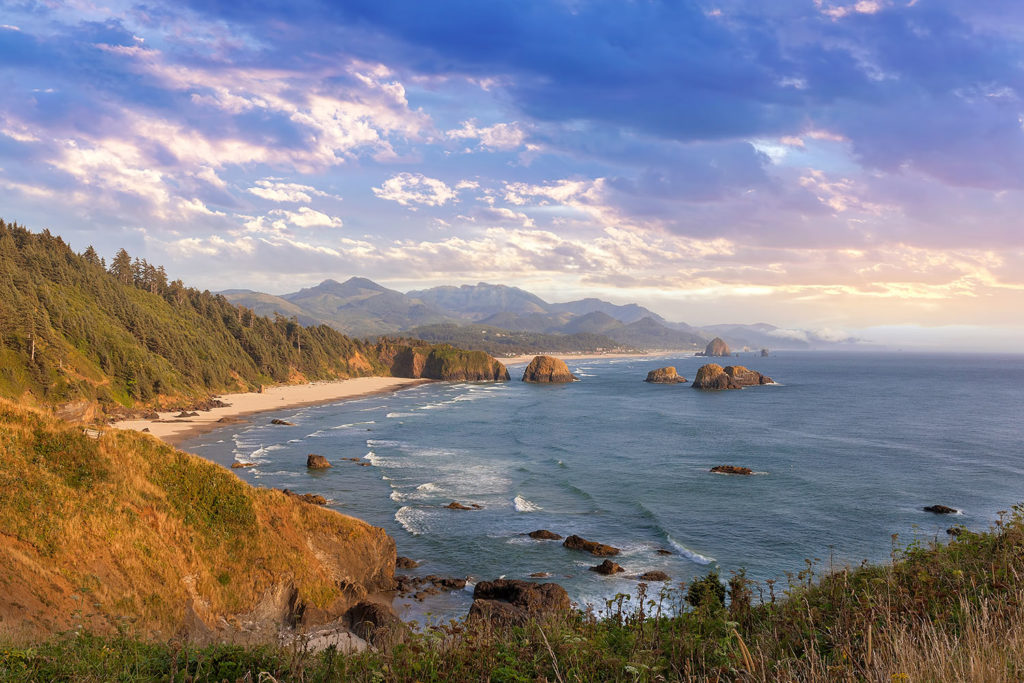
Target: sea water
[847,450]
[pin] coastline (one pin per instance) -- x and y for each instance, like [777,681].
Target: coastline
[515,360]
[174,430]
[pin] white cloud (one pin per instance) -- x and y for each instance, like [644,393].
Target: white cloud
[500,136]
[415,188]
[274,190]
[306,217]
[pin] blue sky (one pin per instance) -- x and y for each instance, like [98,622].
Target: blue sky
[836,165]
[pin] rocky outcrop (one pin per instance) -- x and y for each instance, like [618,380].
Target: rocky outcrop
[666,375]
[764,353]
[544,535]
[717,348]
[607,568]
[655,575]
[716,378]
[513,602]
[712,377]
[941,510]
[311,498]
[402,562]
[746,377]
[455,505]
[443,362]
[419,588]
[376,624]
[316,462]
[575,542]
[548,370]
[731,469]
[283,423]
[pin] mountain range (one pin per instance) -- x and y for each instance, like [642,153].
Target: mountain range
[363,308]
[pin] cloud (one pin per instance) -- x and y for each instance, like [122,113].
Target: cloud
[273,189]
[500,136]
[415,188]
[306,217]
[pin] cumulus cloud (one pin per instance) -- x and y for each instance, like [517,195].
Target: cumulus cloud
[273,189]
[500,136]
[415,188]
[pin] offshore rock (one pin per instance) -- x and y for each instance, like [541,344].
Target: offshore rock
[311,498]
[717,347]
[666,375]
[316,462]
[941,509]
[713,377]
[655,575]
[746,377]
[283,423]
[442,362]
[575,542]
[731,469]
[512,601]
[548,370]
[544,535]
[455,505]
[607,568]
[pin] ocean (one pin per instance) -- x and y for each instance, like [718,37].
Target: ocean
[847,449]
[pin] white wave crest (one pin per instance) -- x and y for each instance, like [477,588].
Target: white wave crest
[412,520]
[523,505]
[690,554]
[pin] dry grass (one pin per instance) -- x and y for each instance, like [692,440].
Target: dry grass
[126,530]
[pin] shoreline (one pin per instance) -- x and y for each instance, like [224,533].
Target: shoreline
[174,430]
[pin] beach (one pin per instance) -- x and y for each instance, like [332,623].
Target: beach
[174,430]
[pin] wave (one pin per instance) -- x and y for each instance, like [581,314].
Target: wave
[429,486]
[383,443]
[689,554]
[412,520]
[523,505]
[394,415]
[353,424]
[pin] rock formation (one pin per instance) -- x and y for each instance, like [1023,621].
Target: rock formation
[442,362]
[544,535]
[316,462]
[746,377]
[311,498]
[714,377]
[655,575]
[513,601]
[941,509]
[575,542]
[402,562]
[607,568]
[731,469]
[376,624]
[548,370]
[764,353]
[455,505]
[667,375]
[717,348]
[284,423]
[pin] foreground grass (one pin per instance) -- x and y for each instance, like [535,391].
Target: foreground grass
[951,612]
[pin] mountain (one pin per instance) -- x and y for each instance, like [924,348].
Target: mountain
[527,322]
[499,342]
[648,333]
[358,307]
[479,301]
[628,313]
[596,322]
[96,341]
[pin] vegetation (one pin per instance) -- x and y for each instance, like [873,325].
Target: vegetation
[500,342]
[938,613]
[105,530]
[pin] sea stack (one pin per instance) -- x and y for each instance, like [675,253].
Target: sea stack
[667,375]
[548,370]
[746,377]
[718,348]
[713,377]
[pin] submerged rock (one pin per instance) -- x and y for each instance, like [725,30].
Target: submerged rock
[731,469]
[548,370]
[655,575]
[666,375]
[284,423]
[941,509]
[607,568]
[316,462]
[575,542]
[544,535]
[455,505]
[513,601]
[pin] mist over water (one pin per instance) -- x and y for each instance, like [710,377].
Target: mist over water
[851,447]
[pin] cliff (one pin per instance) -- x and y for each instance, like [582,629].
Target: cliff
[103,529]
[407,358]
[548,370]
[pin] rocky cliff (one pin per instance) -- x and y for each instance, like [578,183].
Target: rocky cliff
[746,377]
[119,529]
[441,362]
[548,370]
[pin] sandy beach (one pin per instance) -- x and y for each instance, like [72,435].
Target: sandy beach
[174,430]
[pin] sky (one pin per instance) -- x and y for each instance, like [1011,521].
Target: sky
[842,166]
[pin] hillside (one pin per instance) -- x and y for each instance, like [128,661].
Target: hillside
[95,339]
[476,302]
[122,530]
[500,342]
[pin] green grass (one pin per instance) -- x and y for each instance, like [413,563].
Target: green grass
[938,612]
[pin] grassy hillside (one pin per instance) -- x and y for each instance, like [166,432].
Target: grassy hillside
[123,531]
[938,613]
